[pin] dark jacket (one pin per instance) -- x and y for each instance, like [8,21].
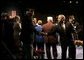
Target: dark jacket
[27,29]
[65,35]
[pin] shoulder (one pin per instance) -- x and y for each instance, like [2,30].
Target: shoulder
[44,25]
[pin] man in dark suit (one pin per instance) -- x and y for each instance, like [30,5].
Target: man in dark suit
[26,34]
[65,30]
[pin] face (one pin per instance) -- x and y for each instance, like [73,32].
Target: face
[61,19]
[35,20]
[71,19]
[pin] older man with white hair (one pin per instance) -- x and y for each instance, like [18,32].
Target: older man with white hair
[50,40]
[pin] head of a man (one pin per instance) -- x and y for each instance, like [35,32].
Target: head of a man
[61,18]
[71,19]
[49,19]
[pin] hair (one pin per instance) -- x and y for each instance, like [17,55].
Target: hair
[61,16]
[49,19]
[17,18]
[39,22]
[72,17]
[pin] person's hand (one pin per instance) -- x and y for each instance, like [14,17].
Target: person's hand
[43,33]
[46,33]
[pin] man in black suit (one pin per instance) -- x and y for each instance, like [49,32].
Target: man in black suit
[26,34]
[65,30]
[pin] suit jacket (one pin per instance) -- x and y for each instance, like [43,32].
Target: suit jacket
[27,29]
[65,35]
[50,38]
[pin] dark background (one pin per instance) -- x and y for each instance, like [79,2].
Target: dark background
[46,7]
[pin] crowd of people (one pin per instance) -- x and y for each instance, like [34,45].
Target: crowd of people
[25,37]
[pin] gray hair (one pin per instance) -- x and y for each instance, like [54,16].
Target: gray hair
[61,16]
